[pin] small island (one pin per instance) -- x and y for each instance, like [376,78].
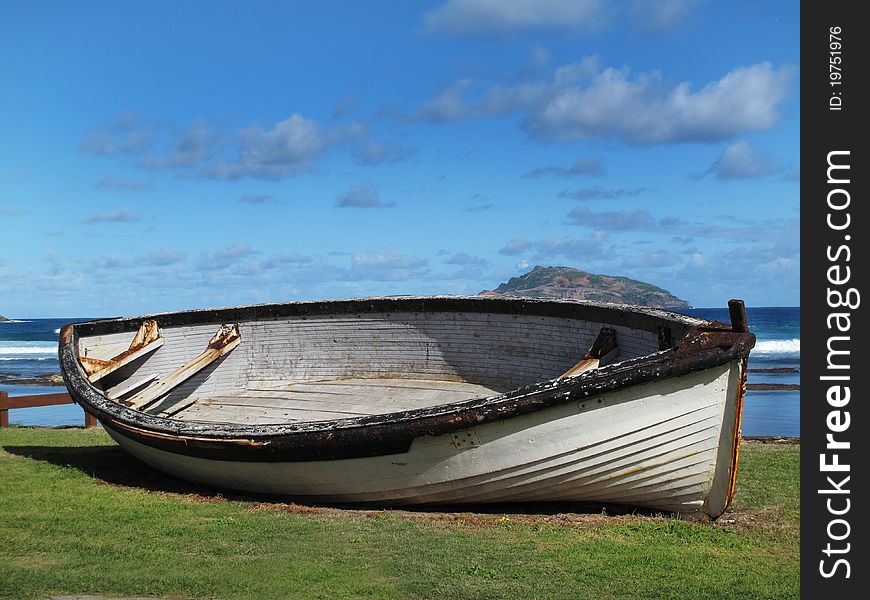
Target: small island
[2,318]
[576,284]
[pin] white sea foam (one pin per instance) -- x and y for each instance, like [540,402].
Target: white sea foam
[57,330]
[784,347]
[14,321]
[35,348]
[29,357]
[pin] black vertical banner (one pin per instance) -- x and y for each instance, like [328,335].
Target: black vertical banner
[835,222]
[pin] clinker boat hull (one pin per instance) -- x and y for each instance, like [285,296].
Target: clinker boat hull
[658,431]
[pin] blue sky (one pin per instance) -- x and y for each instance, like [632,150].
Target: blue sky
[166,155]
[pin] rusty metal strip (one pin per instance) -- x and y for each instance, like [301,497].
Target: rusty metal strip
[738,424]
[147,339]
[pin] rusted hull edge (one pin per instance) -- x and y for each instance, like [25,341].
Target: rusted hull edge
[599,312]
[738,423]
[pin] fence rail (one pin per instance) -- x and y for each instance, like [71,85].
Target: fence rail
[7,403]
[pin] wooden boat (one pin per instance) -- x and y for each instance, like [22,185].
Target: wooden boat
[426,400]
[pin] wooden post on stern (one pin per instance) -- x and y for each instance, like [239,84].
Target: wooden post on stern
[737,310]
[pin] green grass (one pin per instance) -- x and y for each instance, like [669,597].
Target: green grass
[77,515]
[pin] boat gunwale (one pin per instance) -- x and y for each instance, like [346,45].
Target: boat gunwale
[707,344]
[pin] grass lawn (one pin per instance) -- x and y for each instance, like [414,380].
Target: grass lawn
[78,515]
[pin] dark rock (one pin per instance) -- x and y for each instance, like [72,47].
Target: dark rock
[571,283]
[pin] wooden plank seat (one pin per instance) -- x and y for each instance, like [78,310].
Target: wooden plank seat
[147,339]
[602,350]
[221,343]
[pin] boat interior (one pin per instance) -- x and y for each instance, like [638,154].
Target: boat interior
[325,367]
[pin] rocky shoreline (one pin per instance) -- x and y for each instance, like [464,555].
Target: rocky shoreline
[768,387]
[49,379]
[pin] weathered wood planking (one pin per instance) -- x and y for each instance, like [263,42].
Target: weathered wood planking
[329,400]
[489,349]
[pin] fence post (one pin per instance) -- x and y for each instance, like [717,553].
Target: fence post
[90,420]
[4,412]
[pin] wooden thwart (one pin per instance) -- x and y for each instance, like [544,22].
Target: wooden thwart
[221,343]
[129,385]
[603,345]
[148,339]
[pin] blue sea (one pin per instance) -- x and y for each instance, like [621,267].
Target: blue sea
[28,347]
[777,346]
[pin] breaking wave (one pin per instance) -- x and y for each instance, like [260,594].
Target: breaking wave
[790,347]
[42,348]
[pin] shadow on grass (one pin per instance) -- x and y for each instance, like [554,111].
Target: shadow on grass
[113,465]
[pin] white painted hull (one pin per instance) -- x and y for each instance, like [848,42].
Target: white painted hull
[667,445]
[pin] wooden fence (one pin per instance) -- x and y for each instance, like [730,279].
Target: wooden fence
[36,400]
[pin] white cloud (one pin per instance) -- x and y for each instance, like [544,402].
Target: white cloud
[600,193]
[202,151]
[225,257]
[257,199]
[515,246]
[386,265]
[286,260]
[123,184]
[741,161]
[583,101]
[653,259]
[469,267]
[474,17]
[126,134]
[449,105]
[118,216]
[161,258]
[550,248]
[663,15]
[463,259]
[644,110]
[288,148]
[583,249]
[109,263]
[195,145]
[499,16]
[376,152]
[630,220]
[363,195]
[585,165]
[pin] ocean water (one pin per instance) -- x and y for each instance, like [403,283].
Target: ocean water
[29,348]
[778,346]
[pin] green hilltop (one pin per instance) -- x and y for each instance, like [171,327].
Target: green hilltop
[571,283]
